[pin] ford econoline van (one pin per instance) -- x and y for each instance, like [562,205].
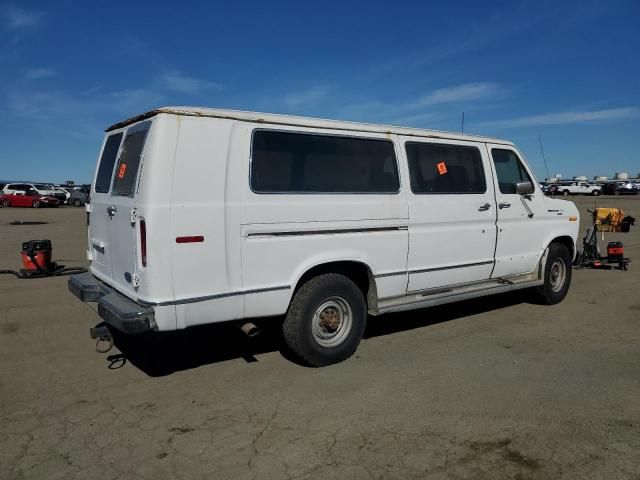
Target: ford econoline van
[200,216]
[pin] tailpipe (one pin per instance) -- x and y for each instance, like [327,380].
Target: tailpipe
[249,329]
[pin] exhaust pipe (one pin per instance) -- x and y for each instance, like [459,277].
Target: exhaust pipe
[250,329]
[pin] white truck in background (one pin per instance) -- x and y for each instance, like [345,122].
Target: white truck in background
[579,188]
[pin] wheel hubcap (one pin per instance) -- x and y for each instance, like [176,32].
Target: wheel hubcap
[557,275]
[332,322]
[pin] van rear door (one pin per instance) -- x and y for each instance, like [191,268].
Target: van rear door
[99,234]
[113,213]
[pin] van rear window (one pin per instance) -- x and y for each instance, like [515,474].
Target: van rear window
[108,158]
[124,182]
[440,168]
[287,162]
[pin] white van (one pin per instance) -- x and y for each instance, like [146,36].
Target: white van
[200,216]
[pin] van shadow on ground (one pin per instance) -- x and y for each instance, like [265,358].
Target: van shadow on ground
[163,354]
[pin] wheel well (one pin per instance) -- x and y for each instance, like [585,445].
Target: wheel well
[567,242]
[358,272]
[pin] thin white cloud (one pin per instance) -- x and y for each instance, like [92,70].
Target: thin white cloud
[565,118]
[422,111]
[307,98]
[44,105]
[129,102]
[38,73]
[179,82]
[17,17]
[92,90]
[461,93]
[417,119]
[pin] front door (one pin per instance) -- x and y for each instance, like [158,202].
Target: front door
[519,229]
[452,213]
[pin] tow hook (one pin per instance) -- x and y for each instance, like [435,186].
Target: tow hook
[101,335]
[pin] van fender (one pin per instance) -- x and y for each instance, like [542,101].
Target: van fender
[565,236]
[318,260]
[542,265]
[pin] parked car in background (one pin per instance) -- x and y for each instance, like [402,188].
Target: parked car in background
[621,188]
[62,193]
[29,199]
[80,196]
[40,188]
[628,188]
[579,188]
[549,188]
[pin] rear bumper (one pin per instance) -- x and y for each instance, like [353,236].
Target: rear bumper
[115,309]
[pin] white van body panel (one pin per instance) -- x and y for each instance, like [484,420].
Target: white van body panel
[218,251]
[285,235]
[452,237]
[522,240]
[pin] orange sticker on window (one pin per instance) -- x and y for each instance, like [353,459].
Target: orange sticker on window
[442,168]
[122,170]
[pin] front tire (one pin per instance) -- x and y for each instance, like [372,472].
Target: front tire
[595,193]
[6,203]
[557,275]
[565,193]
[77,202]
[326,320]
[36,204]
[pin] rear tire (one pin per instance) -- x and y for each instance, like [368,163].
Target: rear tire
[77,202]
[36,204]
[565,192]
[595,193]
[6,203]
[326,320]
[557,275]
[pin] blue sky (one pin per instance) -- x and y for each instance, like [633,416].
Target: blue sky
[567,71]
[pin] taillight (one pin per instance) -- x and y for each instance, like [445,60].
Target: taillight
[143,242]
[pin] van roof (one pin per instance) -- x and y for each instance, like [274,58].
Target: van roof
[292,120]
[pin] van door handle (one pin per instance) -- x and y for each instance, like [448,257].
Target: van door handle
[111,210]
[504,205]
[484,207]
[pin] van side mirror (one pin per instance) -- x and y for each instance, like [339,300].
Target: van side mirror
[524,188]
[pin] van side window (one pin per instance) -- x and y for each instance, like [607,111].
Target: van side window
[108,158]
[509,170]
[287,162]
[127,169]
[438,168]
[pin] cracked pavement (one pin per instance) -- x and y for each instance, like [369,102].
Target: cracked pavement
[493,388]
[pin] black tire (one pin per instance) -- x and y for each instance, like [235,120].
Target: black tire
[301,325]
[595,193]
[565,192]
[6,203]
[36,204]
[77,202]
[551,292]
